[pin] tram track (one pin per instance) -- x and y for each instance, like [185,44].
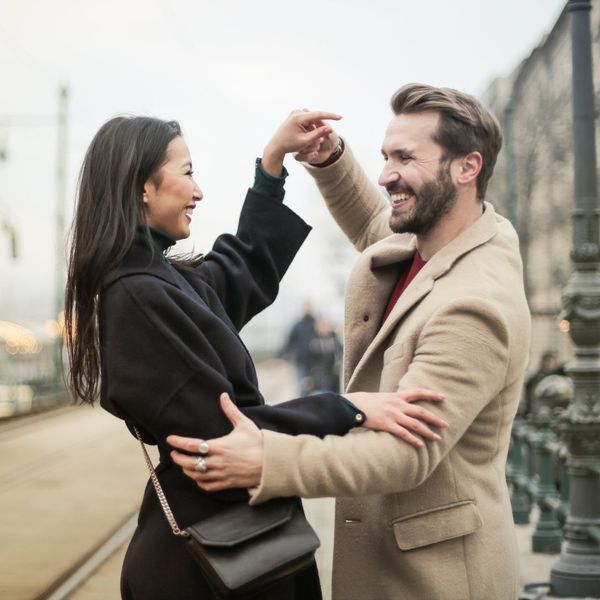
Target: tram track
[72,579]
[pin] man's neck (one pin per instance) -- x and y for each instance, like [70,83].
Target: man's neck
[464,213]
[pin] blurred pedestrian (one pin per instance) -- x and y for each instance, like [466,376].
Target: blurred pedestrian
[324,358]
[296,348]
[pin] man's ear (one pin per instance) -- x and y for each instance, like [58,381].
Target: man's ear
[469,168]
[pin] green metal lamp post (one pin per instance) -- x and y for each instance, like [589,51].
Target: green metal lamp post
[577,571]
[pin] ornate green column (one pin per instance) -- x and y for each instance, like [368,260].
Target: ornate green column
[577,571]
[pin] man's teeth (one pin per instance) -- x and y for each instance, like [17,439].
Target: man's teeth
[400,196]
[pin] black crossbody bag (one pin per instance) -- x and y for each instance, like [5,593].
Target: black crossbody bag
[244,549]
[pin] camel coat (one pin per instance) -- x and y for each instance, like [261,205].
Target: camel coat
[434,523]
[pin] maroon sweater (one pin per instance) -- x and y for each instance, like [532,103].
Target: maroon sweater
[408,271]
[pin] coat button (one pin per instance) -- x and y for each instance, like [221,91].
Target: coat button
[365,318]
[358,418]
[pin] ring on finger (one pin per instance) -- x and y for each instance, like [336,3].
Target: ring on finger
[201,465]
[203,447]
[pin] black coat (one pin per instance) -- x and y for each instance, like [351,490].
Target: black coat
[169,348]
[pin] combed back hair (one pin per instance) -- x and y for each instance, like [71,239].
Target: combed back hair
[465,125]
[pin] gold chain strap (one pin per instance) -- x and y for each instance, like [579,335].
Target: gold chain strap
[159,491]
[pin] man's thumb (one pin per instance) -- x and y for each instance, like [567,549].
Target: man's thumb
[231,410]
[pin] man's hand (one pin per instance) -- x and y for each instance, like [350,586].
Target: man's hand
[394,412]
[231,461]
[304,132]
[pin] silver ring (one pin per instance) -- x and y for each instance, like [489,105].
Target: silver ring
[203,447]
[201,465]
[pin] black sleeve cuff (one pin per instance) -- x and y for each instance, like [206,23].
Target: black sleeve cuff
[268,185]
[357,416]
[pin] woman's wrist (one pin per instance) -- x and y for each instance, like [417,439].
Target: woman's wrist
[272,161]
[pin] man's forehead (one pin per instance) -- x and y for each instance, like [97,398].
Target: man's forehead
[412,129]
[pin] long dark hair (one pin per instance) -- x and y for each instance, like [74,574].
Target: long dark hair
[124,154]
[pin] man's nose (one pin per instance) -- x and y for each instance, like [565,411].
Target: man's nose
[388,176]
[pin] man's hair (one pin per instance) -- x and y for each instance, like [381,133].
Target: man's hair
[465,125]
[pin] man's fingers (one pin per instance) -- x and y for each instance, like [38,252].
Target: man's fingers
[313,137]
[189,462]
[183,443]
[304,156]
[213,486]
[231,410]
[422,394]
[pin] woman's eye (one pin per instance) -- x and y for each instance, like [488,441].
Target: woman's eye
[190,173]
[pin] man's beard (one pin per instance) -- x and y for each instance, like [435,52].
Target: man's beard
[435,199]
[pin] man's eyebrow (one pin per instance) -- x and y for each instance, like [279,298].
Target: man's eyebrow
[404,151]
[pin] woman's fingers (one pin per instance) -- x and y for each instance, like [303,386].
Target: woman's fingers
[418,412]
[421,394]
[408,437]
[312,116]
[419,427]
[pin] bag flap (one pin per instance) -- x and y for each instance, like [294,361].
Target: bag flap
[241,523]
[436,525]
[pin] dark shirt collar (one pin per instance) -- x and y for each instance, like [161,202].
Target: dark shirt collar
[160,240]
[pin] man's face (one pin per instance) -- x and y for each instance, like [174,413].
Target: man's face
[419,184]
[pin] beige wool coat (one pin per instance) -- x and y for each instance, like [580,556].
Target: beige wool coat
[432,523]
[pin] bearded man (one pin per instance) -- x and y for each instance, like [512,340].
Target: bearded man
[436,302]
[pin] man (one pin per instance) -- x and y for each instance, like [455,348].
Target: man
[439,303]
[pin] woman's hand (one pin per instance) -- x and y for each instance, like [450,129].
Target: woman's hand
[394,413]
[303,132]
[232,461]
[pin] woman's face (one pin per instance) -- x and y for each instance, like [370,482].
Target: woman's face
[169,206]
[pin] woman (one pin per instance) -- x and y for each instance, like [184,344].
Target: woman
[159,336]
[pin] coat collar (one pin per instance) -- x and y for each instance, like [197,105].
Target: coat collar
[142,259]
[379,277]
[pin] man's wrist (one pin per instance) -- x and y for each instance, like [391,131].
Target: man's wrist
[333,157]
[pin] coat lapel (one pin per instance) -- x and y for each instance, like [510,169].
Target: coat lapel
[375,276]
[369,288]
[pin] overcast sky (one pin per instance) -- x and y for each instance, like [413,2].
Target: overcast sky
[229,71]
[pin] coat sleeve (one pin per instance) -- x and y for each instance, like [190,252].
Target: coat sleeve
[164,370]
[356,204]
[245,269]
[463,352]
